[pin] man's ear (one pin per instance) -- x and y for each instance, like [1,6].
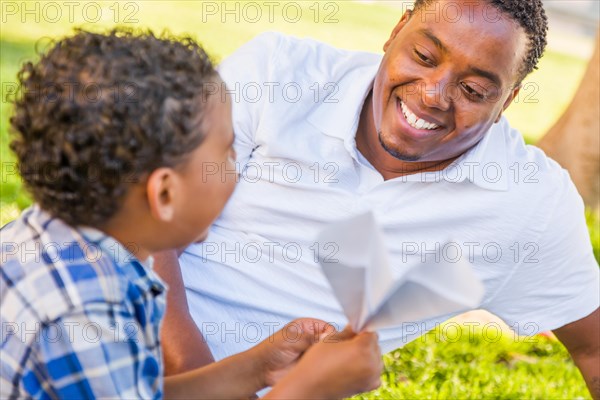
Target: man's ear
[161,191]
[509,100]
[397,28]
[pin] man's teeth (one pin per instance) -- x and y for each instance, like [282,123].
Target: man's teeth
[415,121]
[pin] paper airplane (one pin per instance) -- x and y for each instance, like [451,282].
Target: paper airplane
[373,297]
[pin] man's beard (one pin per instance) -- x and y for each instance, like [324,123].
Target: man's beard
[395,153]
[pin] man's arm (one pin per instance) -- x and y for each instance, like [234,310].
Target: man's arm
[184,348]
[582,339]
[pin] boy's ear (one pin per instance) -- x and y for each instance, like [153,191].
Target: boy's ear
[161,191]
[508,102]
[398,28]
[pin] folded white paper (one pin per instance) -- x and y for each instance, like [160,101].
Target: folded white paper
[373,297]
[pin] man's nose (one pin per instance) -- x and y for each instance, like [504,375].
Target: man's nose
[437,93]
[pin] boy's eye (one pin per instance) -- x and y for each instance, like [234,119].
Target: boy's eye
[472,92]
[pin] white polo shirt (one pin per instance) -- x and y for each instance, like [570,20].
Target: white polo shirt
[506,207]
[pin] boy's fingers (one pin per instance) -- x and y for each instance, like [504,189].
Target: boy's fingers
[369,337]
[314,325]
[346,334]
[300,335]
[317,328]
[375,384]
[326,328]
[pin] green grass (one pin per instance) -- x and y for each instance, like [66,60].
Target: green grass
[428,367]
[460,366]
[593,223]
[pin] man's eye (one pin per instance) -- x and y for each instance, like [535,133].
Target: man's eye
[472,92]
[423,57]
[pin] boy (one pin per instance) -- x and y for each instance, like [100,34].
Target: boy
[110,132]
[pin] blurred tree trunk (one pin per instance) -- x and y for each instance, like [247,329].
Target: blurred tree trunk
[574,141]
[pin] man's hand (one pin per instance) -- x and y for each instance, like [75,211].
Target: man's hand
[582,339]
[279,353]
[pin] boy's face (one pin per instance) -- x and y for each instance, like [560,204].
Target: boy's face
[208,178]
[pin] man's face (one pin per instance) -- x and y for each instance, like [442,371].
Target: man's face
[447,74]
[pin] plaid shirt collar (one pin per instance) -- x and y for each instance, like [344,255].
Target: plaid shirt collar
[138,272]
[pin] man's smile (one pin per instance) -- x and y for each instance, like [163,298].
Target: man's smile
[415,124]
[415,121]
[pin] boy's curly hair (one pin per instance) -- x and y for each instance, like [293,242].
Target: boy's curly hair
[101,111]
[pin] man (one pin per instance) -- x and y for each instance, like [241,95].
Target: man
[416,136]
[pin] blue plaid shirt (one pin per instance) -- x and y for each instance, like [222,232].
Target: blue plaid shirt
[80,315]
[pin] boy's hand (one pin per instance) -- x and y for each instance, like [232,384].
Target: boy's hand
[341,365]
[279,353]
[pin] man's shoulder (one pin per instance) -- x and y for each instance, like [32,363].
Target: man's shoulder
[540,188]
[277,42]
[529,167]
[47,271]
[274,55]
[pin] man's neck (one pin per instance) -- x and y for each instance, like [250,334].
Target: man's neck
[367,142]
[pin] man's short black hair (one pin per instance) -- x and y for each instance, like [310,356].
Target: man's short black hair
[531,16]
[99,112]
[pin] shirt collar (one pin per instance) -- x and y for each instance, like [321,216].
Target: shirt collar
[484,165]
[97,247]
[338,116]
[139,272]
